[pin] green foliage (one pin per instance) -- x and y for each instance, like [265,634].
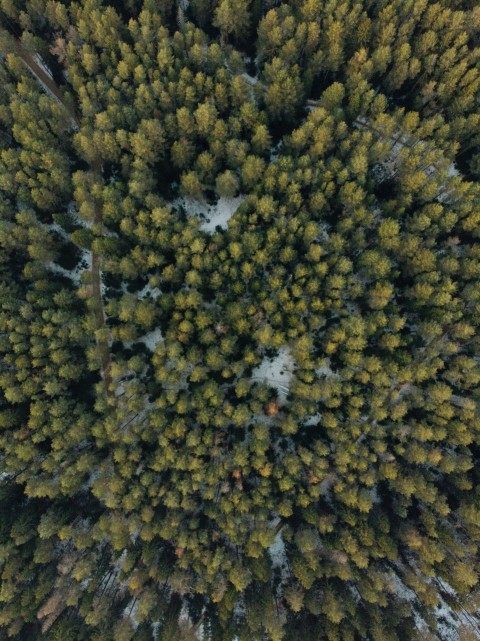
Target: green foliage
[266,429]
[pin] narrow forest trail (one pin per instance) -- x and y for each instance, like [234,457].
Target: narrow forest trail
[98,310]
[101,332]
[45,80]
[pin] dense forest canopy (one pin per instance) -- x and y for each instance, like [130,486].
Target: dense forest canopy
[239,320]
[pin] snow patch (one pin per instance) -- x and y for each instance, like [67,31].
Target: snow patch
[252,80]
[220,214]
[151,340]
[86,259]
[103,287]
[40,62]
[84,264]
[277,551]
[189,629]
[276,151]
[155,629]
[77,219]
[130,612]
[149,292]
[448,620]
[325,370]
[276,371]
[56,269]
[60,231]
[452,171]
[211,215]
[91,480]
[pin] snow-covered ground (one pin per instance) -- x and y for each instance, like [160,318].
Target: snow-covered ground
[276,371]
[130,612]
[211,215]
[75,216]
[276,151]
[60,231]
[57,269]
[252,80]
[448,620]
[151,340]
[149,292]
[40,62]
[325,370]
[277,552]
[84,264]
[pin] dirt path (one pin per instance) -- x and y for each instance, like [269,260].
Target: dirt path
[99,311]
[45,80]
[98,308]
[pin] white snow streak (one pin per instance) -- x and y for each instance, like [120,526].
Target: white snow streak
[277,551]
[149,292]
[252,80]
[42,64]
